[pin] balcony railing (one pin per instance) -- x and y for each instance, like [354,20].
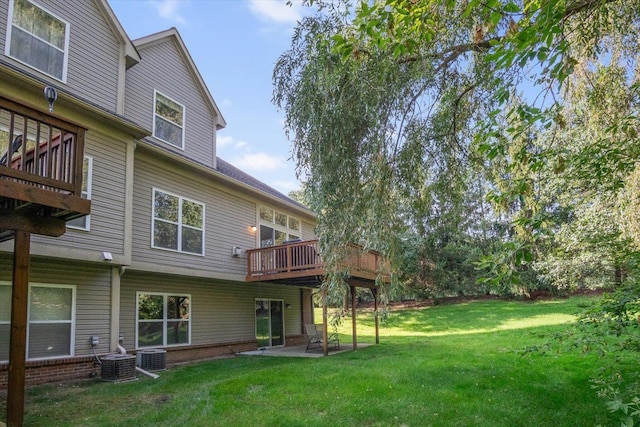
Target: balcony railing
[303,260]
[26,135]
[41,159]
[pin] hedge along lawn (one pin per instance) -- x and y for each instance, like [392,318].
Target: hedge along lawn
[448,365]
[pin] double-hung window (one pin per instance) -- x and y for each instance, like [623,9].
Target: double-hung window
[83,223]
[162,319]
[168,120]
[50,330]
[277,227]
[5,320]
[178,223]
[38,38]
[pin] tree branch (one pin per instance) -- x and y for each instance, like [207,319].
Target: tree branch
[583,5]
[452,53]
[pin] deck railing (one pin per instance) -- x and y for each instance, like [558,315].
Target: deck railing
[286,258]
[364,264]
[39,150]
[294,260]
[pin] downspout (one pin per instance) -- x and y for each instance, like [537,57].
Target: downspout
[116,273]
[128,201]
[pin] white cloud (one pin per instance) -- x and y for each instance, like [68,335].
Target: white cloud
[168,9]
[223,141]
[259,162]
[276,11]
[272,169]
[229,141]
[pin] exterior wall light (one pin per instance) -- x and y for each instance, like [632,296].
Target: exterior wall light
[50,94]
[254,228]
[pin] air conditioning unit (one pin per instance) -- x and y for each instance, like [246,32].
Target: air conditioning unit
[152,359]
[118,367]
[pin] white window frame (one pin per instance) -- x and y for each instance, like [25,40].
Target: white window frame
[71,322]
[7,322]
[164,317]
[291,233]
[179,224]
[86,195]
[7,48]
[184,119]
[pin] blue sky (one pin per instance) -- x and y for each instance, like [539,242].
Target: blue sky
[235,45]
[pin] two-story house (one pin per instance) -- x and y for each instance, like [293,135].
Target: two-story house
[165,259]
[160,261]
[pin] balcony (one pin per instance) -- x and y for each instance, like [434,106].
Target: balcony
[41,160]
[301,263]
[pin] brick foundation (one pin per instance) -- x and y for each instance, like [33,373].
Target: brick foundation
[78,368]
[49,371]
[194,353]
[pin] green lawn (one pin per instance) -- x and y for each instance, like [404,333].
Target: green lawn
[448,365]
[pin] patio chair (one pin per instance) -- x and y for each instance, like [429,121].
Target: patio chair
[314,336]
[15,146]
[313,339]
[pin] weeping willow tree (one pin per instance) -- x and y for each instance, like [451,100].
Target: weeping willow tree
[396,108]
[373,133]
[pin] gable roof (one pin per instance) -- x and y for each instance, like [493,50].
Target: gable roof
[233,172]
[172,34]
[132,57]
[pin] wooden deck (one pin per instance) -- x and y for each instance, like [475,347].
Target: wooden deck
[41,174]
[301,263]
[41,160]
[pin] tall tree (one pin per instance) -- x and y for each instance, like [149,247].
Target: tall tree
[388,99]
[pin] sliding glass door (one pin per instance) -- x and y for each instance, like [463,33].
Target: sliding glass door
[269,322]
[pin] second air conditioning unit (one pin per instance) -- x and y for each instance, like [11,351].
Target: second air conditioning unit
[152,359]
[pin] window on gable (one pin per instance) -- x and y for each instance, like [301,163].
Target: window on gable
[168,120]
[178,223]
[162,320]
[83,223]
[277,227]
[38,38]
[51,327]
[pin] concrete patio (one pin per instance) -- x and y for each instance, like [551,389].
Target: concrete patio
[299,351]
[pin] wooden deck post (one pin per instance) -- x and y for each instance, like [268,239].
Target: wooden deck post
[353,316]
[18,337]
[325,335]
[374,291]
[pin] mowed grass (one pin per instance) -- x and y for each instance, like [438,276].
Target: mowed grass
[448,365]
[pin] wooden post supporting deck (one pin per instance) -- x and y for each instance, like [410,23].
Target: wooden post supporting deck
[374,291]
[353,317]
[18,337]
[325,335]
